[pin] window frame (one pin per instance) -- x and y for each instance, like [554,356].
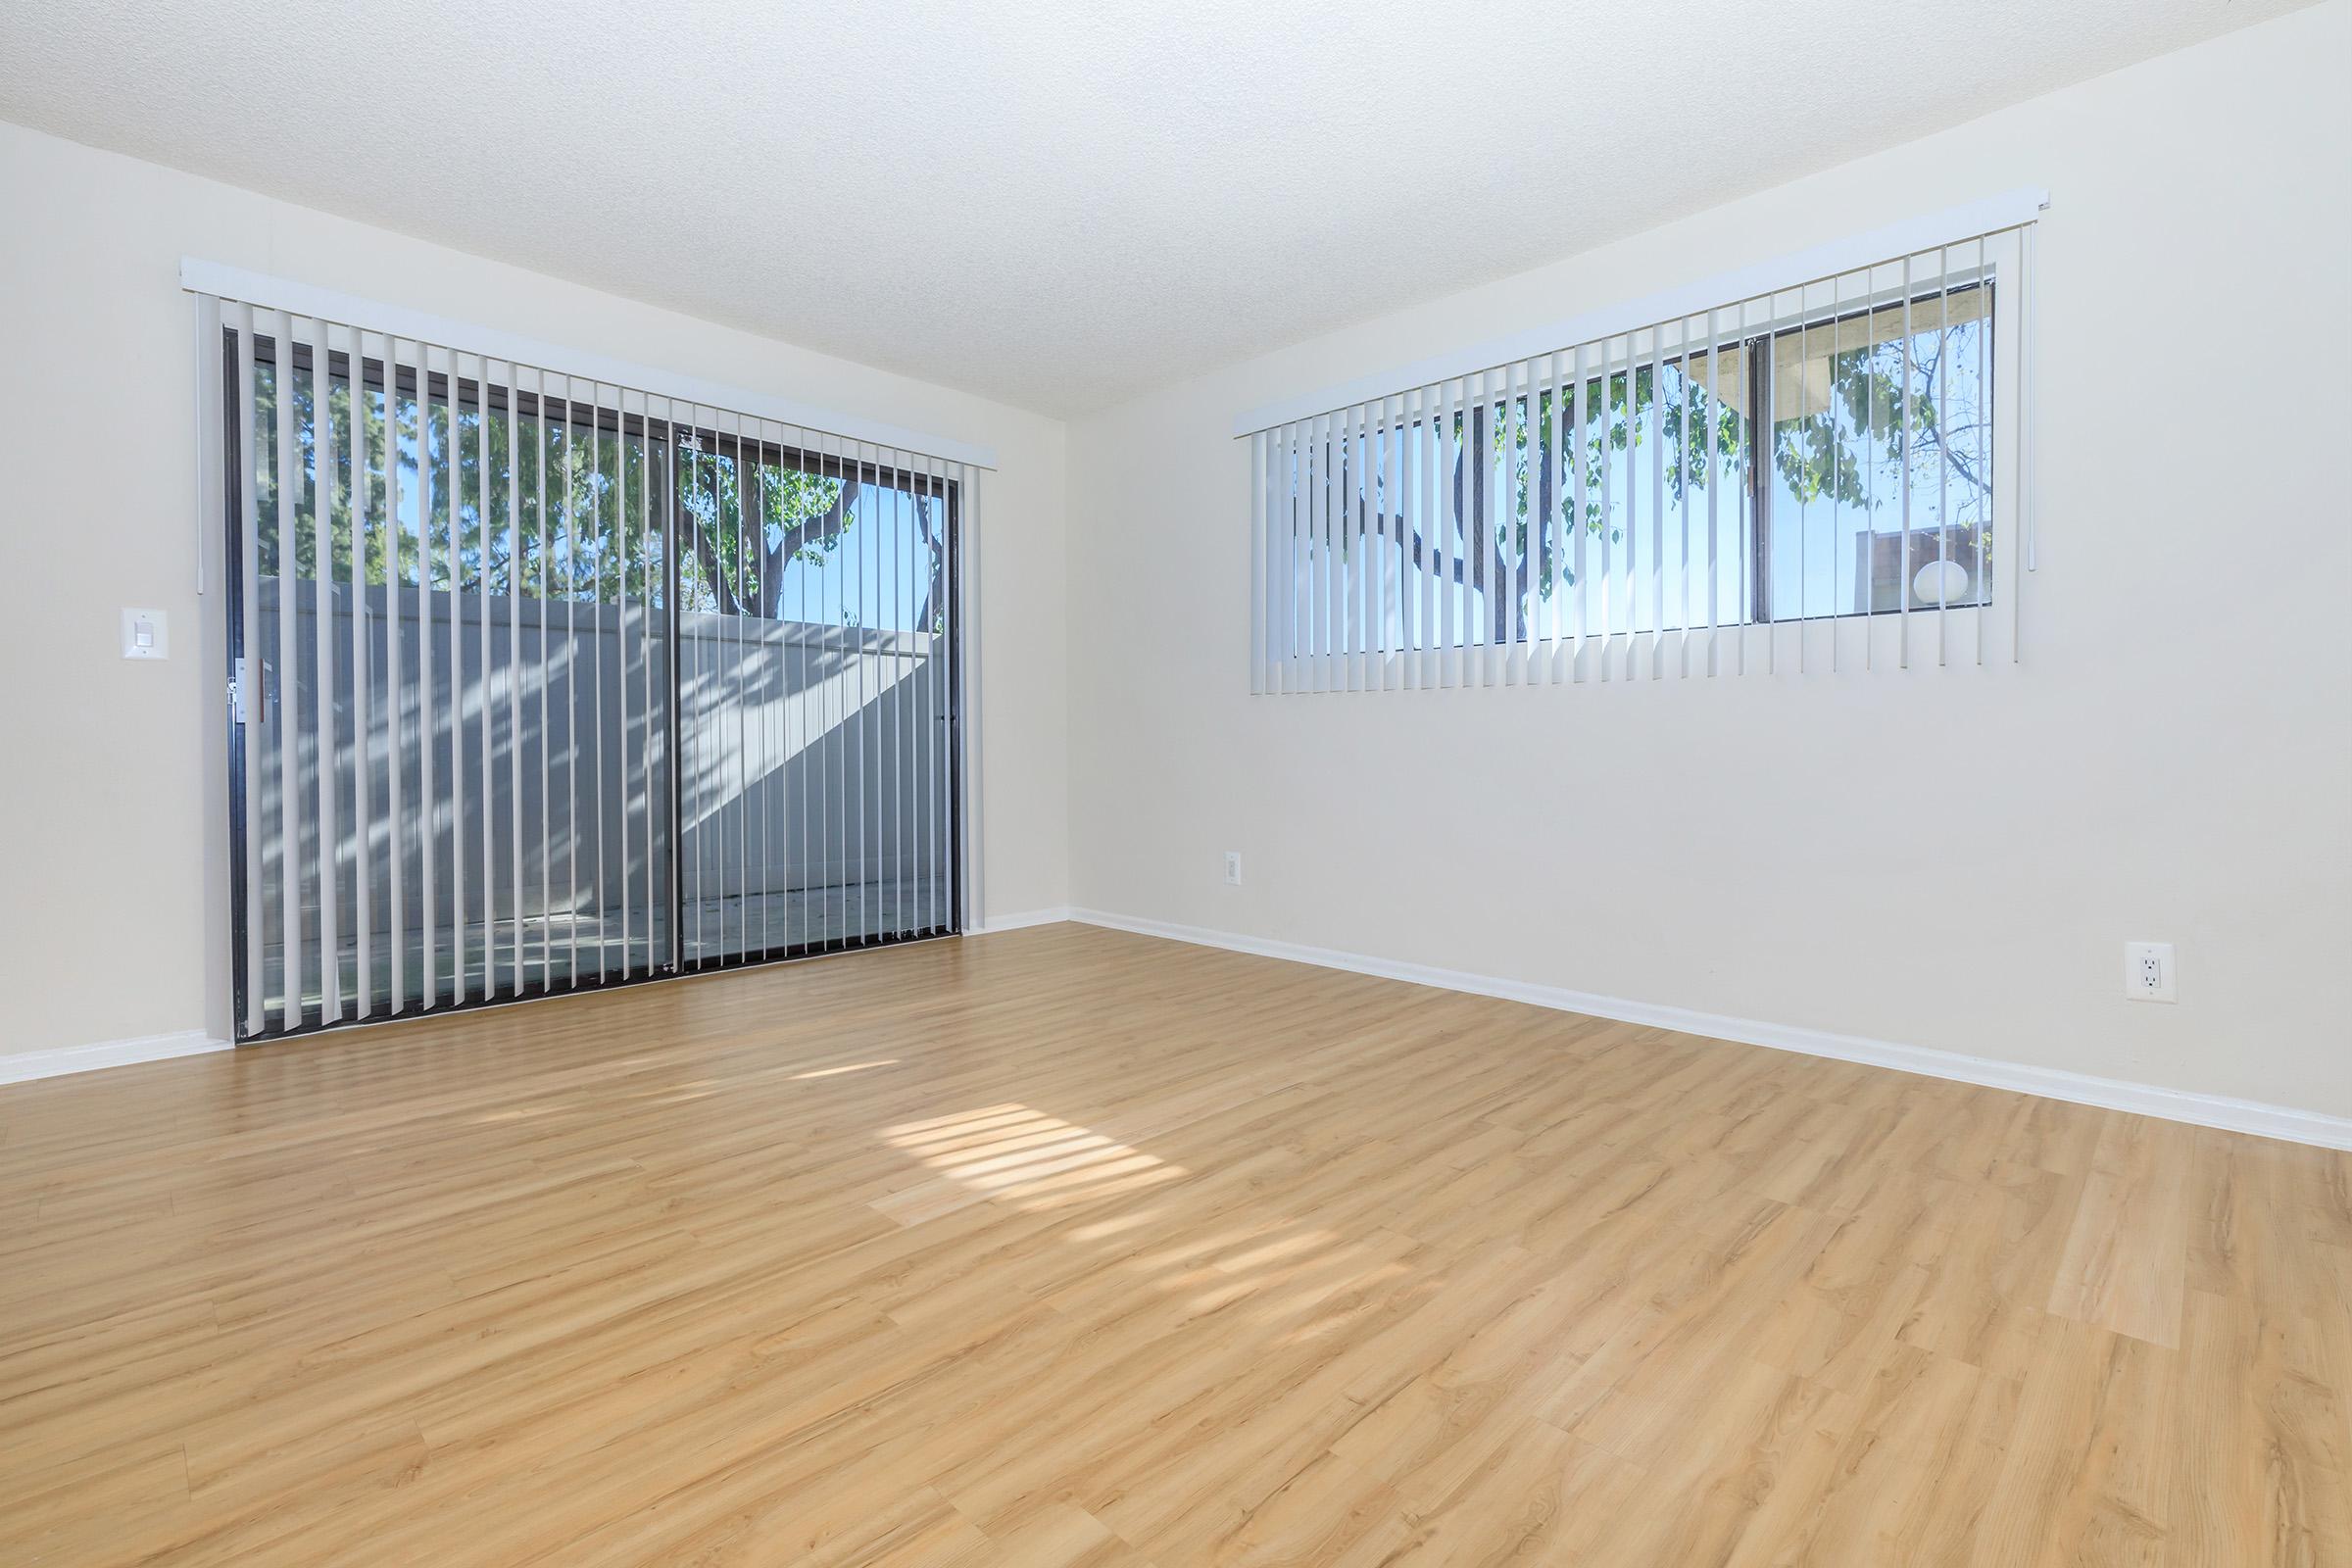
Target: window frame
[1758,349]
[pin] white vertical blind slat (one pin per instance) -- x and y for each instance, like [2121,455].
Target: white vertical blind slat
[1293,567]
[868,459]
[954,509]
[1943,514]
[322,681]
[513,685]
[1438,529]
[1575,488]
[1903,452]
[915,855]
[1609,524]
[287,705]
[1982,450]
[766,614]
[569,509]
[453,451]
[1328,677]
[1686,410]
[251,692]
[1804,529]
[804,736]
[1477,478]
[1421,502]
[1657,503]
[1837,453]
[488,738]
[543,448]
[837,779]
[694,651]
[1380,483]
[1769,510]
[1370,546]
[427,722]
[626,553]
[907,803]
[2021,512]
[1311,558]
[1509,620]
[606,524]
[1318,590]
[1355,547]
[939,778]
[967,654]
[1724,531]
[1361,675]
[1260,483]
[1492,410]
[396,686]
[1746,521]
[363,738]
[1556,522]
[902,733]
[1404,517]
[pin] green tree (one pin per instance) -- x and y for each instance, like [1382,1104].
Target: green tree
[549,505]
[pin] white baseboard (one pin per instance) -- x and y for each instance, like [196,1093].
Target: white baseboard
[19,1066]
[2112,1094]
[1027,917]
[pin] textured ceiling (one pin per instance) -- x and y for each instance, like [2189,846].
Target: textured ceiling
[1055,204]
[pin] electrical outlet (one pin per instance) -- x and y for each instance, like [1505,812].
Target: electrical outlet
[1233,868]
[2148,972]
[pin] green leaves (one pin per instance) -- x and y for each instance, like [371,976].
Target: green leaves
[552,507]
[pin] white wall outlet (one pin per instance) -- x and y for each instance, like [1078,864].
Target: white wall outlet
[2148,972]
[1233,868]
[145,634]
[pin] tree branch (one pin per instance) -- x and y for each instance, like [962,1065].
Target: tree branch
[824,525]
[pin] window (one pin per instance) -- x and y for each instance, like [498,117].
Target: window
[1861,406]
[1762,480]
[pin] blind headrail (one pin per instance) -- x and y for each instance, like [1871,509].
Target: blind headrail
[221,281]
[1992,215]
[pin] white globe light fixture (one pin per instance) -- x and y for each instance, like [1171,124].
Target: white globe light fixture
[1940,582]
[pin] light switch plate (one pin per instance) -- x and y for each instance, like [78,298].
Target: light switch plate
[146,634]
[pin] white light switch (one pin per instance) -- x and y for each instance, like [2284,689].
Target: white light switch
[145,634]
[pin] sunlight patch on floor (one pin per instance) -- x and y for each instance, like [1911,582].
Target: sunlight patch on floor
[1278,1273]
[855,1067]
[1016,1154]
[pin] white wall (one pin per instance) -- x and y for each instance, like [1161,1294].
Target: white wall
[112,908]
[2173,761]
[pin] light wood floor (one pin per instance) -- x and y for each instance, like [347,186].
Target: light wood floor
[1067,1247]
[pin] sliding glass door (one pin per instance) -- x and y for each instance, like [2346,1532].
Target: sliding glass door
[476,755]
[815,722]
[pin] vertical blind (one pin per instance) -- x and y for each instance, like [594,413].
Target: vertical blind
[541,682]
[1820,476]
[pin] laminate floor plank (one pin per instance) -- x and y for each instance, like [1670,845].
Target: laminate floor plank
[1071,1248]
